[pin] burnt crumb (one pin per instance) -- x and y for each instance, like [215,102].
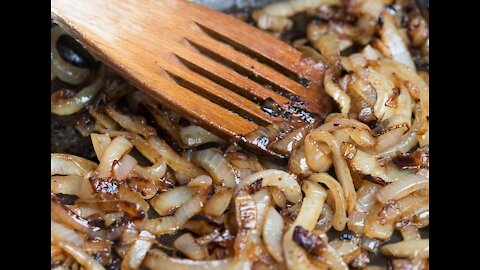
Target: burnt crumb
[336,124]
[255,186]
[413,161]
[105,185]
[304,82]
[271,107]
[312,243]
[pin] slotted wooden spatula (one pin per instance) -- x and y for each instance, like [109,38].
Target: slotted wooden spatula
[217,71]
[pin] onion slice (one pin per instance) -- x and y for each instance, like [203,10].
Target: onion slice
[61,106]
[80,256]
[174,160]
[277,178]
[193,136]
[216,165]
[113,153]
[157,260]
[65,164]
[341,167]
[187,245]
[166,202]
[402,187]
[272,234]
[138,251]
[340,216]
[219,202]
[409,248]
[295,256]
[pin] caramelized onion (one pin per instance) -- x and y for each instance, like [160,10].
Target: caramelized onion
[113,153]
[219,202]
[187,245]
[193,136]
[166,202]
[138,251]
[272,234]
[157,260]
[217,165]
[66,106]
[341,167]
[402,187]
[65,164]
[174,160]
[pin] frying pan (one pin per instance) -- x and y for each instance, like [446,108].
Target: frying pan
[66,139]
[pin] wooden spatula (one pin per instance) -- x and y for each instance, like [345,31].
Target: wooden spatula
[216,71]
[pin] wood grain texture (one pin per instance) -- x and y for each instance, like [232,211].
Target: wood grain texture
[149,42]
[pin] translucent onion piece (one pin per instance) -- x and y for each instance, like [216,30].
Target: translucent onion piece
[61,68]
[170,224]
[412,81]
[282,180]
[157,260]
[340,216]
[113,153]
[69,184]
[367,164]
[376,228]
[60,232]
[103,119]
[138,251]
[65,164]
[80,256]
[409,248]
[362,137]
[346,249]
[384,88]
[402,187]
[366,196]
[329,47]
[132,123]
[324,223]
[356,221]
[166,202]
[272,23]
[100,142]
[219,202]
[153,173]
[337,93]
[392,38]
[187,245]
[61,106]
[317,155]
[390,138]
[289,8]
[201,181]
[410,232]
[193,136]
[123,167]
[216,165]
[174,160]
[278,197]
[341,168]
[295,256]
[272,234]
[406,142]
